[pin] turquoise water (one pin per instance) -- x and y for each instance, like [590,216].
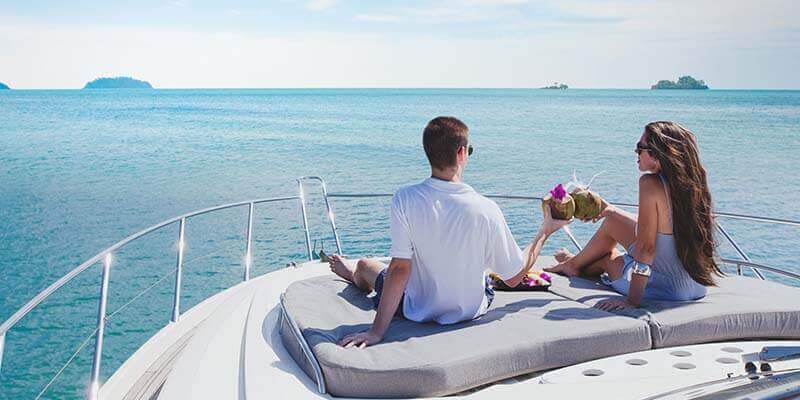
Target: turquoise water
[80,170]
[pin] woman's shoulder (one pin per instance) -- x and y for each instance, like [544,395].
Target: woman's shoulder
[650,184]
[649,181]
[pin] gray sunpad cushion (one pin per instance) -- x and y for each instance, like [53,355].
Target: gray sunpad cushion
[523,332]
[738,308]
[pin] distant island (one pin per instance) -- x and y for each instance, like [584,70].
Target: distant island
[3,86]
[122,82]
[557,85]
[684,82]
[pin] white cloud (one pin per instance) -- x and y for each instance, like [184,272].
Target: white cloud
[437,15]
[380,17]
[689,16]
[496,2]
[320,5]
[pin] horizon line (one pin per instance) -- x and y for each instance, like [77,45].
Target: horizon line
[398,88]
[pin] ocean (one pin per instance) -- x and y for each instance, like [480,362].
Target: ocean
[82,169]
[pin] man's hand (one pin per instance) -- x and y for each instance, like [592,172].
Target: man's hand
[613,305]
[550,224]
[360,339]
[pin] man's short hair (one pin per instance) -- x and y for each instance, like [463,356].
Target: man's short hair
[442,138]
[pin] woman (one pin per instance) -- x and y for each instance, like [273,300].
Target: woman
[664,261]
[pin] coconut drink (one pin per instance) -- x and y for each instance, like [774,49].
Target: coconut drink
[561,204]
[588,204]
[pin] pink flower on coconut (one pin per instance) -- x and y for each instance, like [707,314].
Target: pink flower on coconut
[558,192]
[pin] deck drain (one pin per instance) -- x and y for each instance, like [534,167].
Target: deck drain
[732,350]
[727,360]
[593,372]
[684,366]
[636,361]
[681,353]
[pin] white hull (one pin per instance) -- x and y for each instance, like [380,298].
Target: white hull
[229,347]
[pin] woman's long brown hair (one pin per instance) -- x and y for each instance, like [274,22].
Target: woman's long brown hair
[675,148]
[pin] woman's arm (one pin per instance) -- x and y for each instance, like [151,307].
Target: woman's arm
[644,249]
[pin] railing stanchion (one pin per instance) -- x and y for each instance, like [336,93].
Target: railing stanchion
[2,347]
[94,382]
[176,301]
[302,195]
[331,217]
[248,253]
[571,237]
[738,250]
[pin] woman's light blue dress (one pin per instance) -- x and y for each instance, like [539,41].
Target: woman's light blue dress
[668,279]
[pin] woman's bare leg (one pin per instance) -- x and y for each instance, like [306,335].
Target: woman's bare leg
[618,228]
[563,255]
[614,267]
[597,267]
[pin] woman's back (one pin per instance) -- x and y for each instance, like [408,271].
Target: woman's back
[669,279]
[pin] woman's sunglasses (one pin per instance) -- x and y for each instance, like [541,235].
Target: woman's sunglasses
[640,147]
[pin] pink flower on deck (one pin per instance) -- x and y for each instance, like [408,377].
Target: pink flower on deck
[558,192]
[527,281]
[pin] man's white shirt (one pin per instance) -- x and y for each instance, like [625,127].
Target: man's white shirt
[452,235]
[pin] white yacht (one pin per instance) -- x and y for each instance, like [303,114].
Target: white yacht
[274,336]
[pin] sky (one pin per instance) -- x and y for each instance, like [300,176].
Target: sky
[418,43]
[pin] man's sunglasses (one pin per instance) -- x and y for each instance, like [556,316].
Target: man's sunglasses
[640,147]
[469,150]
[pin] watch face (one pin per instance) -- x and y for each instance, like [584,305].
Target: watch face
[641,268]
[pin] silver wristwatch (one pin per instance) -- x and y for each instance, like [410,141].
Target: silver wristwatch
[640,268]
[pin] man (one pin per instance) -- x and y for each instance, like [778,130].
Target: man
[444,237]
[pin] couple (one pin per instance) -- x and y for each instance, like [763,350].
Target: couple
[445,236]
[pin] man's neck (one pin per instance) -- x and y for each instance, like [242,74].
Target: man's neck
[449,176]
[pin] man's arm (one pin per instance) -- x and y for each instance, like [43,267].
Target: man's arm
[548,227]
[531,254]
[393,287]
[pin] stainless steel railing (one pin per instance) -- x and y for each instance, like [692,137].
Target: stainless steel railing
[328,209]
[106,256]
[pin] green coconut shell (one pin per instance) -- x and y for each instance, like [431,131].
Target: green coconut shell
[588,204]
[565,209]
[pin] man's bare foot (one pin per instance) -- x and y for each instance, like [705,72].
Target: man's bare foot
[563,255]
[565,268]
[341,268]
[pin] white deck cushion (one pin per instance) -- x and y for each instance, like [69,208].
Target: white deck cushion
[523,332]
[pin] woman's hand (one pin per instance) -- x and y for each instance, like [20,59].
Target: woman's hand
[550,224]
[605,211]
[613,305]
